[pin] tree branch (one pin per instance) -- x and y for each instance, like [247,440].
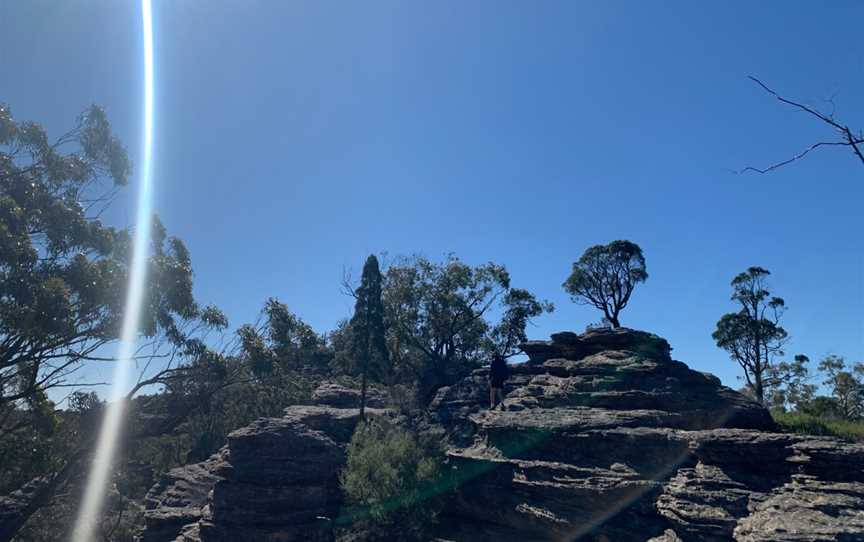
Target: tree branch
[849,138]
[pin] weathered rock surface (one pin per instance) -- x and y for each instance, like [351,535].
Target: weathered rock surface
[605,437]
[178,498]
[335,395]
[807,509]
[277,479]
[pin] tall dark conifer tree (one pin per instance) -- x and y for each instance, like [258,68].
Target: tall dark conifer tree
[367,328]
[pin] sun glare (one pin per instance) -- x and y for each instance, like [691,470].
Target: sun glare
[97,483]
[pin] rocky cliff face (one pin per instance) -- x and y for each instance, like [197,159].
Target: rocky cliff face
[604,437]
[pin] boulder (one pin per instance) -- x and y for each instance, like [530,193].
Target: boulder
[570,345]
[179,497]
[339,396]
[277,479]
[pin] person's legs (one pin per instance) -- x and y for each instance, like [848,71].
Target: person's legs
[500,392]
[493,394]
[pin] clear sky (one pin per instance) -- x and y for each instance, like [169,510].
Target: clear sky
[294,138]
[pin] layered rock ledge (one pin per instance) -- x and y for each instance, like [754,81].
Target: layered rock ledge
[604,437]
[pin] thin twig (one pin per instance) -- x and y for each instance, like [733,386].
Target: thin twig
[849,138]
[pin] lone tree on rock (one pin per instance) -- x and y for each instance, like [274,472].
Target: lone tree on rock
[605,277]
[753,335]
[369,343]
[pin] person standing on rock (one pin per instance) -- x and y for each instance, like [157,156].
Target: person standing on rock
[498,374]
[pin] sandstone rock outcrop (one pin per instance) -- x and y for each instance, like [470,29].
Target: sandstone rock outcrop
[335,395]
[604,437]
[277,479]
[179,498]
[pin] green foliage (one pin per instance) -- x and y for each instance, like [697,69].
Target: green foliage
[279,362]
[846,385]
[63,273]
[753,335]
[605,277]
[787,384]
[839,414]
[33,449]
[237,406]
[821,407]
[808,424]
[393,477]
[520,308]
[282,342]
[441,319]
[368,333]
[63,277]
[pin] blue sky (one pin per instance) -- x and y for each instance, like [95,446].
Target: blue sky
[294,138]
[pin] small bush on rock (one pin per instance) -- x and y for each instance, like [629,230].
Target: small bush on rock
[391,480]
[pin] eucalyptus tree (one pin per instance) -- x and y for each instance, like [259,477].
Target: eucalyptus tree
[605,277]
[63,271]
[446,318]
[753,336]
[787,384]
[63,276]
[846,384]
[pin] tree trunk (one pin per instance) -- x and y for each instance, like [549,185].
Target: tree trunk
[758,389]
[365,372]
[614,321]
[760,364]
[363,396]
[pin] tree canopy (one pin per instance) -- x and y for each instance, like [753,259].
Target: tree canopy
[446,318]
[63,272]
[605,277]
[281,341]
[846,384]
[368,333]
[753,335]
[787,384]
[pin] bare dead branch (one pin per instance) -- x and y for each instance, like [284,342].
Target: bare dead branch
[849,138]
[798,156]
[348,285]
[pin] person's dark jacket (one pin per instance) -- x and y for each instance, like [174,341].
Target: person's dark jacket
[499,372]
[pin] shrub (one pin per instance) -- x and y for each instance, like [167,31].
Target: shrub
[391,478]
[807,424]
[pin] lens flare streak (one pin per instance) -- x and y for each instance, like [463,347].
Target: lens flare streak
[97,483]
